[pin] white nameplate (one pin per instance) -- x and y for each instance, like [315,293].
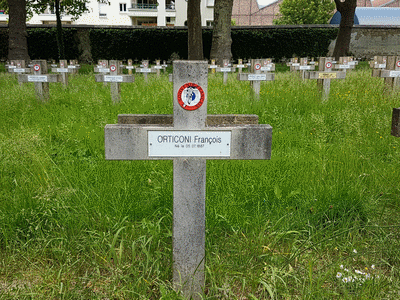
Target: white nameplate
[103,70]
[394,73]
[12,67]
[130,67]
[295,64]
[225,69]
[145,70]
[213,66]
[37,78]
[109,78]
[305,67]
[158,67]
[189,143]
[381,66]
[343,66]
[312,63]
[19,70]
[62,70]
[253,77]
[71,67]
[353,63]
[266,68]
[240,66]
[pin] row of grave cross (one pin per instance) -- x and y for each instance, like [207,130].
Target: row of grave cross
[189,138]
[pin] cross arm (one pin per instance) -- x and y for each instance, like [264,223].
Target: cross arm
[131,141]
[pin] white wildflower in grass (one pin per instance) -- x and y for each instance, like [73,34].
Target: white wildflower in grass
[359,272]
[346,270]
[341,266]
[373,267]
[345,279]
[338,275]
[355,251]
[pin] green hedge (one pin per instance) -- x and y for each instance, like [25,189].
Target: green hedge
[42,43]
[161,43]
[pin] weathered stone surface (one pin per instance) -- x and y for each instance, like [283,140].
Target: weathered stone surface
[211,120]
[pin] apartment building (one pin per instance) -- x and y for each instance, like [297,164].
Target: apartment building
[134,12]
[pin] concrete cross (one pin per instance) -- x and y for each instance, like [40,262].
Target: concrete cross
[190,137]
[145,69]
[40,78]
[63,70]
[325,74]
[18,66]
[379,62]
[391,73]
[225,69]
[240,66]
[255,77]
[115,79]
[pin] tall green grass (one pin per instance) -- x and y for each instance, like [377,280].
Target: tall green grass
[75,226]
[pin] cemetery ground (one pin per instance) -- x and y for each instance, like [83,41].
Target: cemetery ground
[320,220]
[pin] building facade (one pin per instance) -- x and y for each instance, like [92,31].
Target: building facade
[134,12]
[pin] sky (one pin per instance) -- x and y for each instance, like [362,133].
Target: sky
[265,2]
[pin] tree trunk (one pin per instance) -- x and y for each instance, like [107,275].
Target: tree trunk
[195,35]
[17,41]
[221,38]
[60,41]
[347,10]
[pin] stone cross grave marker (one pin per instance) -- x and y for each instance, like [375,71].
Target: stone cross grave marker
[391,73]
[158,67]
[225,69]
[267,65]
[18,66]
[115,78]
[240,66]
[130,66]
[63,70]
[144,68]
[40,78]
[189,137]
[73,66]
[255,77]
[379,62]
[344,64]
[325,74]
[213,66]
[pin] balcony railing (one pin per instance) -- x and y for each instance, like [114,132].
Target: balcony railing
[143,6]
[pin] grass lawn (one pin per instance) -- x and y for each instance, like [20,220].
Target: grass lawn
[320,220]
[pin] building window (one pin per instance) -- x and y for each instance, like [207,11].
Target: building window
[122,7]
[103,10]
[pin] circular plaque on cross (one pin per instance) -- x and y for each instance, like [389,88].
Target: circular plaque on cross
[36,68]
[113,68]
[257,66]
[398,63]
[190,96]
[328,65]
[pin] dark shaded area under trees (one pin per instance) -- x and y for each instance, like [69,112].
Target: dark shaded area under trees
[162,43]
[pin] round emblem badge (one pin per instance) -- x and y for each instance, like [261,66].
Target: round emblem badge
[398,63]
[113,68]
[257,66]
[190,96]
[328,65]
[36,68]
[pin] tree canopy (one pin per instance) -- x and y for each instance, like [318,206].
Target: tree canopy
[294,12]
